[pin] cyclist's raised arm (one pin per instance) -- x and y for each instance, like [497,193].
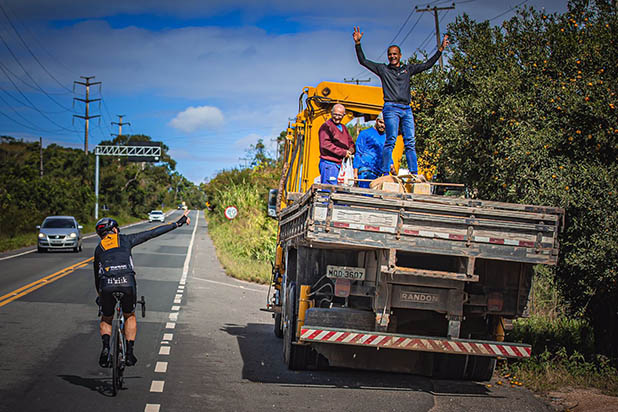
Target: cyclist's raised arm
[141,237]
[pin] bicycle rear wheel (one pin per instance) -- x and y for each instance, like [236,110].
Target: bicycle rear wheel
[116,364]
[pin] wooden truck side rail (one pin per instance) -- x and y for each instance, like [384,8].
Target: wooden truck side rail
[335,216]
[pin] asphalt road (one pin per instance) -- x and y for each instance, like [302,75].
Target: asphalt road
[203,346]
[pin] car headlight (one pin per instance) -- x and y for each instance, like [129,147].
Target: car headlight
[73,235]
[41,236]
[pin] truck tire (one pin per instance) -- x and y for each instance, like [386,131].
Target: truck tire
[457,367]
[447,366]
[480,368]
[296,357]
[278,327]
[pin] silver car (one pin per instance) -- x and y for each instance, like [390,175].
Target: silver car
[156,216]
[59,232]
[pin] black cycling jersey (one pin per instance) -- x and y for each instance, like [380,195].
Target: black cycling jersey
[112,257]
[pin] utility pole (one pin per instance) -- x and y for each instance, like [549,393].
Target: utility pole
[435,16]
[357,81]
[120,123]
[87,101]
[40,157]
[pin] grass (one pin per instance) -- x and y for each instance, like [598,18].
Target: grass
[548,371]
[245,245]
[29,239]
[563,346]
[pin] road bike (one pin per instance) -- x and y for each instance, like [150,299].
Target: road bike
[119,343]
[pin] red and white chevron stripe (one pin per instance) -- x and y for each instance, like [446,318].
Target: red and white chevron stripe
[418,343]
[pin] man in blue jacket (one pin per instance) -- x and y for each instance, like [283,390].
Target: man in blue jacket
[395,78]
[368,157]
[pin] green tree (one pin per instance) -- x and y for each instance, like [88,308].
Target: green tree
[526,113]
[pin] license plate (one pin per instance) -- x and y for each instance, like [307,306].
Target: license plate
[345,272]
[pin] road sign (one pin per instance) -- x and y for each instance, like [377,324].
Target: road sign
[231,212]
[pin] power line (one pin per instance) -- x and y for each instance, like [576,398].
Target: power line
[25,83]
[29,50]
[31,105]
[25,104]
[509,10]
[29,76]
[26,126]
[435,10]
[34,128]
[38,41]
[410,31]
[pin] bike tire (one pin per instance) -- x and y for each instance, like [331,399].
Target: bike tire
[116,363]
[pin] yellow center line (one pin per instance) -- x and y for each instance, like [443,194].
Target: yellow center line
[31,287]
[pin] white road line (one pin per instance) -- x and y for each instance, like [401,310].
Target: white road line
[181,287]
[175,307]
[168,336]
[170,325]
[185,268]
[177,300]
[164,350]
[178,296]
[161,367]
[227,284]
[19,254]
[157,386]
[174,316]
[152,407]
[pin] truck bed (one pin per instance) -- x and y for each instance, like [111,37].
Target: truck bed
[339,217]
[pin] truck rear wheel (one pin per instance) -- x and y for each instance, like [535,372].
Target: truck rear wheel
[295,356]
[480,368]
[278,329]
[457,367]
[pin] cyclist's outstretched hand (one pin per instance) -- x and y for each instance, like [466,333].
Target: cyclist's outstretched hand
[184,219]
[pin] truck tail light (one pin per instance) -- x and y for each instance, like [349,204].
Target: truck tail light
[342,287]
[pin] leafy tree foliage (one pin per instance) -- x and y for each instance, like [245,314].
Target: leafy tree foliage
[526,113]
[67,184]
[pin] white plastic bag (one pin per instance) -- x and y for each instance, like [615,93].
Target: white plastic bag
[346,173]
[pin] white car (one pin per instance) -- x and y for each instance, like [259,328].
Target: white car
[156,216]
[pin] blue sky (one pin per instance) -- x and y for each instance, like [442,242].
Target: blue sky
[208,78]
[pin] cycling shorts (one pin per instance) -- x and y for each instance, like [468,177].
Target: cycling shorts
[125,284]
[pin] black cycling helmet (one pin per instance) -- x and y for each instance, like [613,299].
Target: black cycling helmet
[106,225]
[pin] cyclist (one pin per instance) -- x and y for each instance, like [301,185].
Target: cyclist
[113,272]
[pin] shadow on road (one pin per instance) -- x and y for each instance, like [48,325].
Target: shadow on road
[101,385]
[263,362]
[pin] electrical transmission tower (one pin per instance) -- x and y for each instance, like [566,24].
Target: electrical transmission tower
[87,102]
[120,123]
[435,16]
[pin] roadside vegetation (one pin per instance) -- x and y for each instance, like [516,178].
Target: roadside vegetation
[246,244]
[525,112]
[127,190]
[563,347]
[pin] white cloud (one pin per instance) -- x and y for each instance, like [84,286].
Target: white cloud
[197,118]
